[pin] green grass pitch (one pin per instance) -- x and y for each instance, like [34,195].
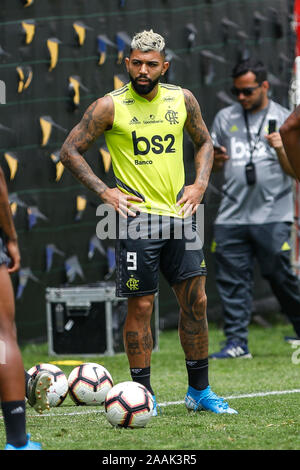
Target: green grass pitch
[264,390]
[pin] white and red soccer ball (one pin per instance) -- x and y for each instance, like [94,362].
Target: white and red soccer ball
[59,383]
[89,384]
[129,405]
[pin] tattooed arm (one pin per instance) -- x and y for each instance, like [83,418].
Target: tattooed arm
[290,135]
[98,117]
[199,134]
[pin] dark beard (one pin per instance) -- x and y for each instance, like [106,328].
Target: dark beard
[143,89]
[256,105]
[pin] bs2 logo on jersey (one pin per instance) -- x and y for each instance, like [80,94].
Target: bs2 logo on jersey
[158,144]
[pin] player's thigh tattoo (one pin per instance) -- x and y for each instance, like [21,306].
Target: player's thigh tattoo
[192,299]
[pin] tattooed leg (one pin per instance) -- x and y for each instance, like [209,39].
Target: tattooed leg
[193,329]
[137,333]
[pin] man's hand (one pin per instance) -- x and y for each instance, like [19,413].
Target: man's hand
[14,254]
[220,157]
[275,140]
[121,202]
[191,198]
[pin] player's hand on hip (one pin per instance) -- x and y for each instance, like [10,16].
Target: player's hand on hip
[191,199]
[14,254]
[121,202]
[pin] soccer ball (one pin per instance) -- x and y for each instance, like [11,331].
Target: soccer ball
[89,384]
[128,405]
[59,383]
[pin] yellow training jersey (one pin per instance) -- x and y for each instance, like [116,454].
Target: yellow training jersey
[146,146]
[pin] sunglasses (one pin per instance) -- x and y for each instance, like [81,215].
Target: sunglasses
[246,91]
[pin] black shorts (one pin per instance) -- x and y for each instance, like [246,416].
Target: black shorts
[176,252]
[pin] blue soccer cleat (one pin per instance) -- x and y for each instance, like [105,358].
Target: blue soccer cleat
[207,400]
[294,340]
[233,349]
[156,407]
[28,446]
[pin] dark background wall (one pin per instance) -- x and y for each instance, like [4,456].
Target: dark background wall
[204,38]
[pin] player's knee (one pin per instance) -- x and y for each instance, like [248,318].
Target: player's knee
[141,307]
[200,305]
[195,311]
[203,301]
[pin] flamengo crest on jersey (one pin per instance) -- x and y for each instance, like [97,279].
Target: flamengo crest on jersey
[146,146]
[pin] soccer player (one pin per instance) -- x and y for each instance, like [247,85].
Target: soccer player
[12,386]
[290,134]
[143,123]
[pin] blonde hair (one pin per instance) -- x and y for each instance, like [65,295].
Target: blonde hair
[148,41]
